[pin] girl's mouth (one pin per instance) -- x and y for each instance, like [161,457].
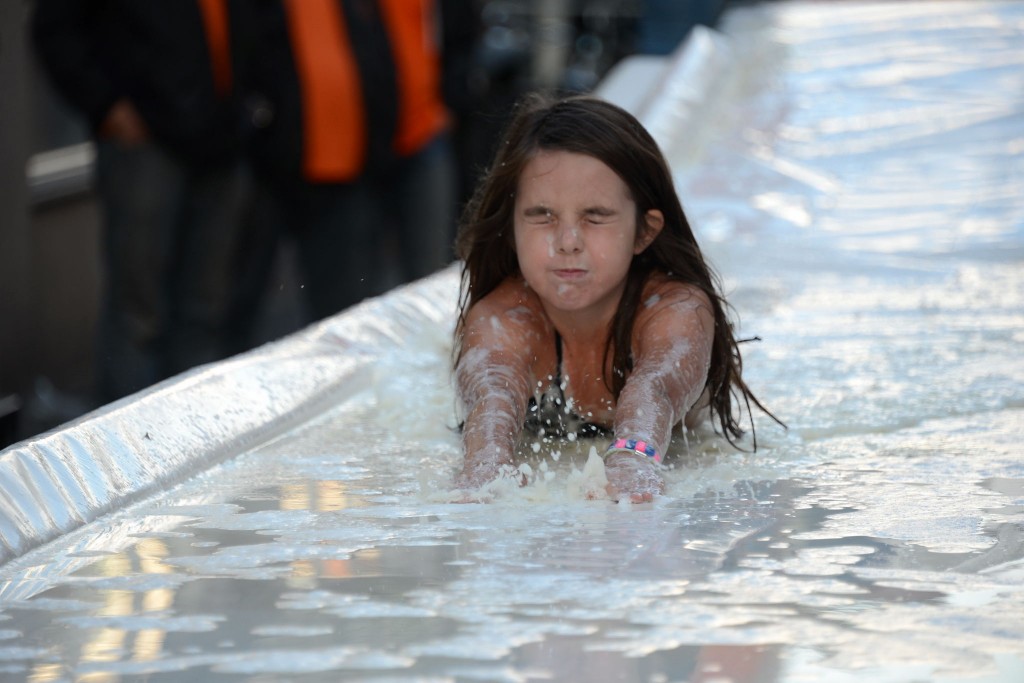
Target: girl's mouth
[570,273]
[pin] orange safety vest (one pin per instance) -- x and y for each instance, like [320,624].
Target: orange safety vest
[215,25]
[334,118]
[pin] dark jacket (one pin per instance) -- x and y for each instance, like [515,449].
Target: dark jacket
[154,53]
[329,106]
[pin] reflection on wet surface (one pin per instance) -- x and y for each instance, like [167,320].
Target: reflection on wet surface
[286,564]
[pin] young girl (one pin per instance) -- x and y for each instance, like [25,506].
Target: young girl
[586,304]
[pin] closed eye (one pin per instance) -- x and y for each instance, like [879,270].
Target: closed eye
[538,215]
[599,215]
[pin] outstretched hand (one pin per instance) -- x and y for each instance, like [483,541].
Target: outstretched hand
[632,477]
[629,476]
[473,480]
[476,474]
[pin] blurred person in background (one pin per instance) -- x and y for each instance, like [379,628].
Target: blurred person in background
[154,81]
[349,145]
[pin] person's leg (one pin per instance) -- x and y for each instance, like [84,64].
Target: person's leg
[200,282]
[256,252]
[334,228]
[425,201]
[139,189]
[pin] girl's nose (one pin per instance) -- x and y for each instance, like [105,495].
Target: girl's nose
[569,239]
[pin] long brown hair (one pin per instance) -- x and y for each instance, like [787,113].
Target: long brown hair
[590,126]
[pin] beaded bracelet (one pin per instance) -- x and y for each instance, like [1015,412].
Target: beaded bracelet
[634,446]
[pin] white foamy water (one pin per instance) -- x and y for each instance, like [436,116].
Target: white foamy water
[859,184]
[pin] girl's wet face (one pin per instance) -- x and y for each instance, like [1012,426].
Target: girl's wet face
[576,232]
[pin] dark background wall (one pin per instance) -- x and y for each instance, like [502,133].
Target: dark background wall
[16,332]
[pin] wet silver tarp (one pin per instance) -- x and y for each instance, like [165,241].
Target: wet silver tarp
[58,481]
[855,171]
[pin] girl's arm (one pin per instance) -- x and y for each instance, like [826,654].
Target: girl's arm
[493,381]
[672,350]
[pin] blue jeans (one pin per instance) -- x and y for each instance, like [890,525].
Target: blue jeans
[170,233]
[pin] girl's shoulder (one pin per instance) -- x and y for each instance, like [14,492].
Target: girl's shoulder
[670,308]
[661,291]
[510,321]
[512,300]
